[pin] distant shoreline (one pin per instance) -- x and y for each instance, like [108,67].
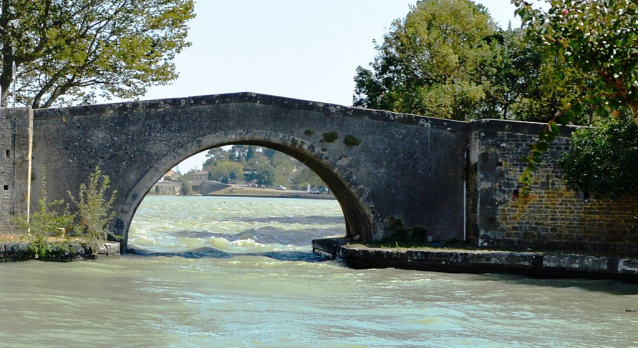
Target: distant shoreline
[247,191]
[291,195]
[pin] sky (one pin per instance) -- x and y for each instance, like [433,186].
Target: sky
[303,49]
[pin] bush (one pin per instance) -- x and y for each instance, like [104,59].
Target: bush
[43,222]
[330,137]
[603,160]
[93,209]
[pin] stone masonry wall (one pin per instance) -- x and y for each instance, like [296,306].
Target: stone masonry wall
[15,145]
[554,217]
[6,170]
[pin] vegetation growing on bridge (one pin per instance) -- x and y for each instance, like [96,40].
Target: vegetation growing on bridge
[44,222]
[330,137]
[88,225]
[351,140]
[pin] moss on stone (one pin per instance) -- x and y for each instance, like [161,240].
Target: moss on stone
[330,137]
[351,140]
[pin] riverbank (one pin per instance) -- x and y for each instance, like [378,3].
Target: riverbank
[244,191]
[536,264]
[60,251]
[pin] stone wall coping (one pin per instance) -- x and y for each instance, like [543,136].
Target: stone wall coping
[484,125]
[252,98]
[523,127]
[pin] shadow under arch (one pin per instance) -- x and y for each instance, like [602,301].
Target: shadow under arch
[339,180]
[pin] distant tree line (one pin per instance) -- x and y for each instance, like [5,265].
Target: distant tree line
[260,166]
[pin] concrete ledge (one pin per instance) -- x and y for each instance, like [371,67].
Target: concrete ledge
[535,264]
[61,252]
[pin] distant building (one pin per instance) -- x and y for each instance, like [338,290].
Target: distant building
[200,176]
[166,188]
[169,176]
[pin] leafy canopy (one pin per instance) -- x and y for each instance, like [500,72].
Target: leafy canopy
[226,171]
[74,51]
[599,39]
[603,160]
[448,59]
[428,63]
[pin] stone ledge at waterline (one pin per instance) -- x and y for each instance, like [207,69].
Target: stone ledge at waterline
[59,252]
[538,264]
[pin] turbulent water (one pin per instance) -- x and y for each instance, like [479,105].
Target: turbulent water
[238,272]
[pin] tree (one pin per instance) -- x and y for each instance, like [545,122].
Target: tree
[215,155]
[226,171]
[600,39]
[304,177]
[529,82]
[187,188]
[429,62]
[70,52]
[265,174]
[603,160]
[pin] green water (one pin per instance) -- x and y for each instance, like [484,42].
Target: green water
[238,272]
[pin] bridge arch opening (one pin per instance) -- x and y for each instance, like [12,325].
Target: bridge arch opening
[338,181]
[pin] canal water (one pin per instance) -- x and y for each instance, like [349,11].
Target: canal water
[239,272]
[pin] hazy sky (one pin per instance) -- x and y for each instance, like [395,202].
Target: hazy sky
[292,48]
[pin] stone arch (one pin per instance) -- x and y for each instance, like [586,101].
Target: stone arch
[341,182]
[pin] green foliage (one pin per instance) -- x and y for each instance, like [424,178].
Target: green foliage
[600,40]
[603,160]
[598,37]
[215,155]
[448,59]
[538,83]
[430,62]
[226,171]
[309,132]
[351,140]
[265,166]
[44,222]
[69,52]
[94,209]
[187,188]
[402,235]
[265,174]
[330,137]
[305,177]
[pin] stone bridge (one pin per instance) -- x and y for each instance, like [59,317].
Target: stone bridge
[380,166]
[430,178]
